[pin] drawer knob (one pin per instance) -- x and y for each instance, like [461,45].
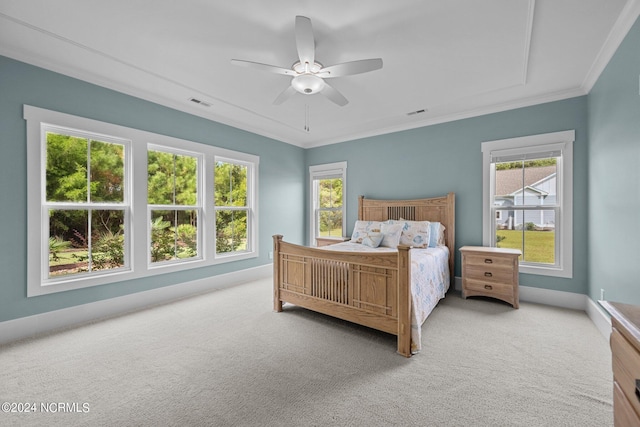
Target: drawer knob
[489,287]
[488,261]
[487,274]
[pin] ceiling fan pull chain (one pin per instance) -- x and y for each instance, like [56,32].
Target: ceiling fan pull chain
[306,117]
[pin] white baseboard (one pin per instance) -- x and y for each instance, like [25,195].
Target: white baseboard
[554,298]
[562,299]
[25,327]
[599,317]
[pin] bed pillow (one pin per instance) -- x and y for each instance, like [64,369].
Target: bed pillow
[361,229]
[415,233]
[373,238]
[436,237]
[391,235]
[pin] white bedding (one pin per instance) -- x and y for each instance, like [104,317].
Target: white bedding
[429,281]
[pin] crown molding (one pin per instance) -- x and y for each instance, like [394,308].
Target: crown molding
[467,114]
[620,29]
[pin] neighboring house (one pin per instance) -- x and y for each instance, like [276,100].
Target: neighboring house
[528,186]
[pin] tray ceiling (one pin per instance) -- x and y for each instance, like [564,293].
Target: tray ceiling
[442,60]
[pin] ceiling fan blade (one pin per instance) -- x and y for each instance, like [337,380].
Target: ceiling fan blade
[333,95]
[286,94]
[263,67]
[351,68]
[305,42]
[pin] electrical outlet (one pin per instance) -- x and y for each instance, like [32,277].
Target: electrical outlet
[270,255]
[601,294]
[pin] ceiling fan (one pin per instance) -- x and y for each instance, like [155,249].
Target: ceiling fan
[308,75]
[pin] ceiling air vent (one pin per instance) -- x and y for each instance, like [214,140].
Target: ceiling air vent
[197,101]
[417,112]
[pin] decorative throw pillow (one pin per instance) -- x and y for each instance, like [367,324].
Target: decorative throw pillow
[361,229]
[415,233]
[373,238]
[391,234]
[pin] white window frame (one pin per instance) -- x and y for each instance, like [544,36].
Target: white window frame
[249,208]
[43,231]
[562,141]
[325,171]
[138,238]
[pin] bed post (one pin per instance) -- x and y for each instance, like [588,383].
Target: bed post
[277,303]
[360,207]
[404,301]
[451,236]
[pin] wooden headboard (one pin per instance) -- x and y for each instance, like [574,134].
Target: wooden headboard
[440,209]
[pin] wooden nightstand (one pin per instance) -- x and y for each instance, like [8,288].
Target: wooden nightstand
[490,272]
[326,241]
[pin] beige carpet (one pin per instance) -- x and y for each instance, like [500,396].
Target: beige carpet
[225,359]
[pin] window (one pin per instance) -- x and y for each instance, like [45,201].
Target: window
[233,212]
[328,184]
[173,204]
[528,200]
[85,201]
[195,204]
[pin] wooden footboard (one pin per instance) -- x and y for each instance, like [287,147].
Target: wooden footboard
[370,289]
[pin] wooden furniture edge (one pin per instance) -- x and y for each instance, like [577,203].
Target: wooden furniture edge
[621,313]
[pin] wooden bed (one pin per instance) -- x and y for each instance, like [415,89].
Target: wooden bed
[370,289]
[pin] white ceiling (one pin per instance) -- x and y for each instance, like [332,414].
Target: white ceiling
[454,58]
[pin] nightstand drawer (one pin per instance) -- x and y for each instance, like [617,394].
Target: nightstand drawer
[489,273]
[488,288]
[626,367]
[488,260]
[624,415]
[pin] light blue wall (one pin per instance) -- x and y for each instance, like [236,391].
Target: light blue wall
[434,160]
[281,178]
[614,177]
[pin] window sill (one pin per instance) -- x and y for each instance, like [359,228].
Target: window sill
[546,271]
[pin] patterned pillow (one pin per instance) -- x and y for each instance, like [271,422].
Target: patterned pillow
[361,229]
[391,235]
[373,238]
[414,233]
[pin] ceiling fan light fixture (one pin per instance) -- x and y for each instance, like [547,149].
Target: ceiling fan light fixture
[307,84]
[304,68]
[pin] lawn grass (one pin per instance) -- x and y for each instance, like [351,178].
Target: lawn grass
[336,232]
[68,257]
[538,245]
